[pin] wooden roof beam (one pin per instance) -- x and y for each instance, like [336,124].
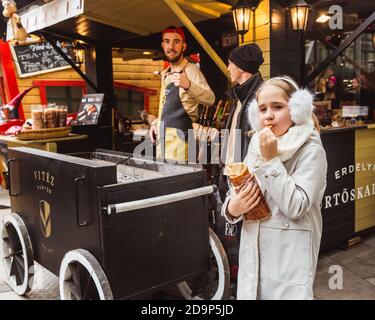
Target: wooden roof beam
[197,8]
[197,35]
[115,23]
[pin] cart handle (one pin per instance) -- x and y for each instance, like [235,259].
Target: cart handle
[158,201]
[76,180]
[9,178]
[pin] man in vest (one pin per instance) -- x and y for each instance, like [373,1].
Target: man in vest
[183,88]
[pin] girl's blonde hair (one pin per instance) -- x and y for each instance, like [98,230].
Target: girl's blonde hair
[288,86]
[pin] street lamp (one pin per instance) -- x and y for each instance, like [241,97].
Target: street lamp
[373,39]
[77,53]
[241,15]
[299,12]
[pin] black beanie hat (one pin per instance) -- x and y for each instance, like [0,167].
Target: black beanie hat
[248,57]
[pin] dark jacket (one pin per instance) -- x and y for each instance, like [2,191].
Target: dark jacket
[243,93]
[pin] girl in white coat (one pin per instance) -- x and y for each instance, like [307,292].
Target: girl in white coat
[278,256]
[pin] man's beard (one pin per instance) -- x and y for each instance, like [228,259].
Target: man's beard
[177,58]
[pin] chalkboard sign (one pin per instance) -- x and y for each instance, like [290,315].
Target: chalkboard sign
[37,58]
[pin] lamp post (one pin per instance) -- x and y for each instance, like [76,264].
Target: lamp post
[373,39]
[299,12]
[242,13]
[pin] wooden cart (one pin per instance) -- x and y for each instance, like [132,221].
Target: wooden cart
[110,226]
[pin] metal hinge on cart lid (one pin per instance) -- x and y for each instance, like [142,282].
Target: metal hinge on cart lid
[158,201]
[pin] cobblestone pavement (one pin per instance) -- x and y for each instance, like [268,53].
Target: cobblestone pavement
[356,263]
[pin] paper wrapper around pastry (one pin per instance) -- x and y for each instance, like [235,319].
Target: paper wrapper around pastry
[240,176]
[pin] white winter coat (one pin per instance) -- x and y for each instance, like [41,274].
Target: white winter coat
[278,257]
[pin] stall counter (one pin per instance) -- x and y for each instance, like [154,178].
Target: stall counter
[348,206]
[42,144]
[68,144]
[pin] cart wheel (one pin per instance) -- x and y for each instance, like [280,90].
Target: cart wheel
[17,254]
[217,283]
[82,278]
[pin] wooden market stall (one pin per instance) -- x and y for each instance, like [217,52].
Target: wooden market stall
[101,29]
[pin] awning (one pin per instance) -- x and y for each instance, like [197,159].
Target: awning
[104,21]
[111,21]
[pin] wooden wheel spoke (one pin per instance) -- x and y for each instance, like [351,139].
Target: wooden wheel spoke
[82,284]
[88,288]
[13,239]
[81,277]
[20,261]
[75,278]
[90,292]
[74,289]
[17,270]
[17,254]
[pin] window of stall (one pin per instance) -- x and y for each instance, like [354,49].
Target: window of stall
[69,96]
[132,99]
[129,102]
[67,93]
[345,90]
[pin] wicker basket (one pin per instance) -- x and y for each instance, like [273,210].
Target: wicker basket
[42,134]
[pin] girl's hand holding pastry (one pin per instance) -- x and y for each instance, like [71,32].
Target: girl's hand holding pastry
[268,144]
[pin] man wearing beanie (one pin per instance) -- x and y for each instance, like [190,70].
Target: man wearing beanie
[183,88]
[243,67]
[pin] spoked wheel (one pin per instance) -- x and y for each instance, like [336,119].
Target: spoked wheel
[17,254]
[215,286]
[82,278]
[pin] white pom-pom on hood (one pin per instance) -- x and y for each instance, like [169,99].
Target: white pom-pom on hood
[300,109]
